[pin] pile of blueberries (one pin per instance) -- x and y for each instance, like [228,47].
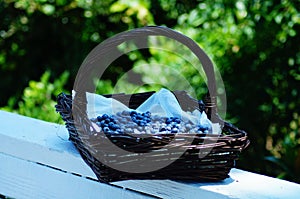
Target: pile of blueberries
[123,122]
[172,125]
[108,124]
[175,125]
[142,119]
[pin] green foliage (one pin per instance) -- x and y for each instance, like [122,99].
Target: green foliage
[37,100]
[254,45]
[104,87]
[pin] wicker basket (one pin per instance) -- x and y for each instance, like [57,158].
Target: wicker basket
[204,156]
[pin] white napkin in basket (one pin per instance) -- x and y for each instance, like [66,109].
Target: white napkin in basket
[162,103]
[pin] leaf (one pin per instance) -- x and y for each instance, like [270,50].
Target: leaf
[48,9]
[118,7]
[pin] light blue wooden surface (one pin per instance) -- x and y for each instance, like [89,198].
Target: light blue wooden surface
[38,161]
[24,179]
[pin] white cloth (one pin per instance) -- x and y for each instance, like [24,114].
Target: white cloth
[162,103]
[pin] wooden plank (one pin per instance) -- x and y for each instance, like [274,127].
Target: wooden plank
[241,184]
[33,141]
[169,189]
[24,179]
[45,142]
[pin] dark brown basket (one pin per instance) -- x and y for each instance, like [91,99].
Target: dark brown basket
[205,156]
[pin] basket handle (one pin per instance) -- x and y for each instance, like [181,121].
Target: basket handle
[106,52]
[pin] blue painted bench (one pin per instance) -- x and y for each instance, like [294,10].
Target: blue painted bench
[38,161]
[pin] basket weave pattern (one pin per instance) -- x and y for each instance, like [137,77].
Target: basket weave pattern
[224,149]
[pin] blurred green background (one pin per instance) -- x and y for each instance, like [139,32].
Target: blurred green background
[255,44]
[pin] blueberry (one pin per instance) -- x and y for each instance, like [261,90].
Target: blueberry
[98,123]
[105,116]
[133,113]
[202,128]
[119,131]
[141,123]
[102,122]
[139,117]
[177,120]
[174,130]
[134,119]
[110,124]
[162,129]
[168,121]
[148,114]
[112,120]
[115,127]
[99,118]
[106,129]
[111,128]
[148,120]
